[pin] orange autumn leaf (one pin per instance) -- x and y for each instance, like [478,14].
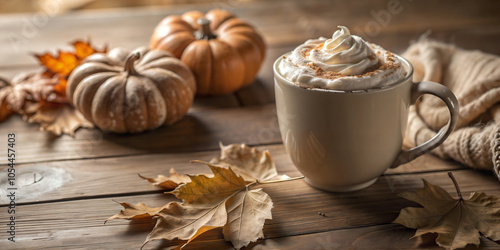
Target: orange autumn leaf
[84,49]
[62,65]
[65,62]
[60,88]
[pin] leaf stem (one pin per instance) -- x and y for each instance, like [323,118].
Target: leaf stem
[450,174]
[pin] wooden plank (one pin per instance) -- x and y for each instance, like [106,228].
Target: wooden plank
[198,131]
[388,236]
[296,207]
[118,175]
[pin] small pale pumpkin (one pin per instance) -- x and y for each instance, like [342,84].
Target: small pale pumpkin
[131,92]
[224,52]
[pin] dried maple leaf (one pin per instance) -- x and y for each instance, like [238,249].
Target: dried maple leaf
[33,96]
[202,189]
[138,211]
[457,222]
[247,212]
[60,119]
[246,161]
[186,222]
[29,88]
[5,91]
[168,183]
[223,200]
[41,97]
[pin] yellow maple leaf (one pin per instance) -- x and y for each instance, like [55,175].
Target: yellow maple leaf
[203,189]
[222,201]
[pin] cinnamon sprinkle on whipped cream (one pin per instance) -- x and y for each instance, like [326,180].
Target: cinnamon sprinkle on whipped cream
[344,62]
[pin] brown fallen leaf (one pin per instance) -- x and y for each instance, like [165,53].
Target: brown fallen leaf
[32,95]
[223,200]
[137,211]
[5,91]
[187,222]
[61,119]
[33,88]
[247,211]
[457,222]
[41,96]
[168,183]
[246,161]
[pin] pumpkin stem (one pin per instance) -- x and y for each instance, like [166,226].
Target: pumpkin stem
[129,63]
[205,31]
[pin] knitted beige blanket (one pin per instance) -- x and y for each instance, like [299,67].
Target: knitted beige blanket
[474,77]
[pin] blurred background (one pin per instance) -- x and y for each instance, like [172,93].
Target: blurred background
[22,6]
[36,26]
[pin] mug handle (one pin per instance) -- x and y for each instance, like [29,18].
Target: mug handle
[451,102]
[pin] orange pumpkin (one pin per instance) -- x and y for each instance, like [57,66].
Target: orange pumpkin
[131,92]
[224,52]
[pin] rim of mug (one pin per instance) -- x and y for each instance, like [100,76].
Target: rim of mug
[387,87]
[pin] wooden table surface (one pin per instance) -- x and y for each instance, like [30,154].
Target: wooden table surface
[84,175]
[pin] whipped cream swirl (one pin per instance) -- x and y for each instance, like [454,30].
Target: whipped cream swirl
[344,62]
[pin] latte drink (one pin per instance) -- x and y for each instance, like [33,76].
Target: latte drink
[342,107]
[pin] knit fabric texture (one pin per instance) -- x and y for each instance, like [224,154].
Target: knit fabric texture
[474,77]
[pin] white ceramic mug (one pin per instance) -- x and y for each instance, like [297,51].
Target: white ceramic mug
[343,141]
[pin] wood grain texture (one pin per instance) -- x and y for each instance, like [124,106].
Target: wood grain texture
[296,207]
[119,174]
[197,131]
[103,167]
